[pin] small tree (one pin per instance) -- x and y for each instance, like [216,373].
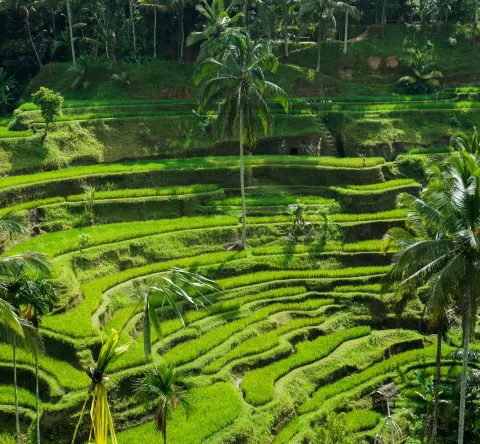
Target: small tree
[89,199]
[50,104]
[83,242]
[7,84]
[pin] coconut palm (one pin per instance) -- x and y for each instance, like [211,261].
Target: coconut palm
[163,389]
[37,298]
[449,262]
[218,21]
[13,329]
[419,228]
[355,13]
[462,142]
[15,289]
[317,12]
[238,76]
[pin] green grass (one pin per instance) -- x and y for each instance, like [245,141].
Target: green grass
[32,204]
[61,242]
[77,322]
[188,351]
[258,384]
[265,276]
[67,376]
[431,150]
[275,200]
[382,368]
[383,215]
[359,420]
[146,192]
[215,408]
[25,398]
[260,343]
[180,164]
[6,133]
[381,186]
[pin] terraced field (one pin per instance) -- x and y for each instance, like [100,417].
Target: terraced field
[298,329]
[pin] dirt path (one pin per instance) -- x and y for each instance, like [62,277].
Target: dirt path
[364,35]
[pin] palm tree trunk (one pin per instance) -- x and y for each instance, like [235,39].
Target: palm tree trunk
[154,33]
[319,48]
[438,365]
[242,185]
[133,31]
[286,38]
[182,37]
[346,34]
[376,12]
[37,393]
[384,18]
[15,388]
[69,13]
[31,39]
[475,25]
[54,30]
[245,14]
[463,383]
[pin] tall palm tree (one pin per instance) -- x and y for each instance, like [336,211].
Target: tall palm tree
[38,298]
[163,389]
[218,21]
[13,328]
[317,11]
[355,13]
[418,228]
[448,263]
[238,76]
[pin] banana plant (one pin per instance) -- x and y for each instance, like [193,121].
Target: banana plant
[100,414]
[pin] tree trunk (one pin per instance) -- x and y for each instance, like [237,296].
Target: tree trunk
[15,388]
[286,38]
[463,383]
[37,393]
[475,25]
[438,366]
[54,30]
[245,14]
[133,31]
[182,37]
[346,34]
[31,39]
[319,48]
[154,33]
[242,184]
[384,18]
[165,431]
[72,45]
[376,12]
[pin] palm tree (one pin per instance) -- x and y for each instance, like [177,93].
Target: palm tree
[38,298]
[419,228]
[176,287]
[70,27]
[163,389]
[218,21]
[462,142]
[13,329]
[317,11]
[448,263]
[354,12]
[239,78]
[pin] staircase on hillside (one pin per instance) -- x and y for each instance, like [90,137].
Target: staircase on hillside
[329,143]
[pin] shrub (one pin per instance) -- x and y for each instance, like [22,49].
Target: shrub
[50,104]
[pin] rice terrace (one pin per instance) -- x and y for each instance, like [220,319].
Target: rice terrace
[240,222]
